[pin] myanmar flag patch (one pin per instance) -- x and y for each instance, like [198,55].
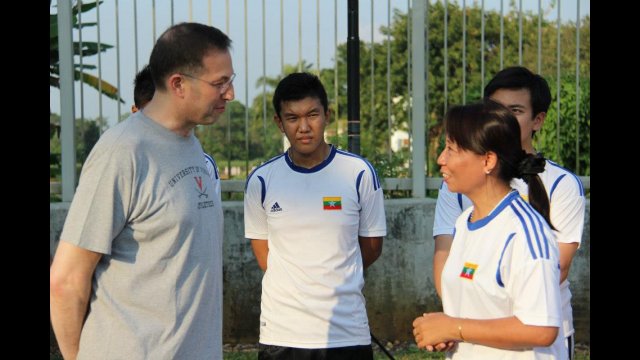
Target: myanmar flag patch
[468,270]
[332,202]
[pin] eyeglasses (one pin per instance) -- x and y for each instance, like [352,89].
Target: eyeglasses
[221,86]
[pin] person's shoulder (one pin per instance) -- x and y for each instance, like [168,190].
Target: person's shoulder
[119,137]
[558,178]
[266,166]
[353,159]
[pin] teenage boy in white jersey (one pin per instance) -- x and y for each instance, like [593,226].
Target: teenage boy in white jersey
[315,217]
[527,95]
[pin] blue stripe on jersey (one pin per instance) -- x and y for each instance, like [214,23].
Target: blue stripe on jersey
[460,201]
[539,220]
[532,227]
[526,231]
[215,166]
[376,181]
[555,184]
[498,277]
[254,170]
[263,190]
[441,185]
[358,184]
[572,174]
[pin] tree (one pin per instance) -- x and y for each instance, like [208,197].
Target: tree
[88,48]
[265,142]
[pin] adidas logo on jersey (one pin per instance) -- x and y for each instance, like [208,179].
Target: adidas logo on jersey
[276,207]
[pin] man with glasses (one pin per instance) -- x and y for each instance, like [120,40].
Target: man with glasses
[138,271]
[143,90]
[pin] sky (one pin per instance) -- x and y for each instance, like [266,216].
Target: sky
[119,31]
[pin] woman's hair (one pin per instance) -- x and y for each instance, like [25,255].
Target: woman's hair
[489,126]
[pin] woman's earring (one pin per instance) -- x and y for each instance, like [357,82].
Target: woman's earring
[487,172]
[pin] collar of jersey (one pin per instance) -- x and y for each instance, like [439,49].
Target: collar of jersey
[322,165]
[513,194]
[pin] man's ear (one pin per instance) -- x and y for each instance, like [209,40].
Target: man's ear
[538,121]
[327,116]
[175,84]
[278,121]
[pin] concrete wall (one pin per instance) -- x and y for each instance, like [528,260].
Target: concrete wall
[398,287]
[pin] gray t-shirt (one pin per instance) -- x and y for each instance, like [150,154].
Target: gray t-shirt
[146,201]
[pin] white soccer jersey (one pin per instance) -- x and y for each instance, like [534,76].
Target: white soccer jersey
[312,289]
[212,168]
[502,266]
[567,207]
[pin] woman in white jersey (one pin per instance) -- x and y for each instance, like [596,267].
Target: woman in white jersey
[500,283]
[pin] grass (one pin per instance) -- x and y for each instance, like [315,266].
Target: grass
[410,353]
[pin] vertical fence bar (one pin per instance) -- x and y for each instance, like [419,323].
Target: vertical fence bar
[423,151]
[501,34]
[209,13]
[558,61]
[373,89]
[418,90]
[190,10]
[172,14]
[520,34]
[318,37]
[482,48]
[353,77]
[81,63]
[135,32]
[446,55]
[464,52]
[228,113]
[246,92]
[389,79]
[578,87]
[281,39]
[335,67]
[118,62]
[540,37]
[264,72]
[67,110]
[299,35]
[153,17]
[98,26]
[409,102]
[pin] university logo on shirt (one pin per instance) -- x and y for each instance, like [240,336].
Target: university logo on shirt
[468,270]
[332,202]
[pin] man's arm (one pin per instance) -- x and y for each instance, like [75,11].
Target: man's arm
[69,291]
[440,255]
[371,248]
[261,251]
[567,251]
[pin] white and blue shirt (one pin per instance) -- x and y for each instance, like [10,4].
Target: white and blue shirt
[567,207]
[504,265]
[312,218]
